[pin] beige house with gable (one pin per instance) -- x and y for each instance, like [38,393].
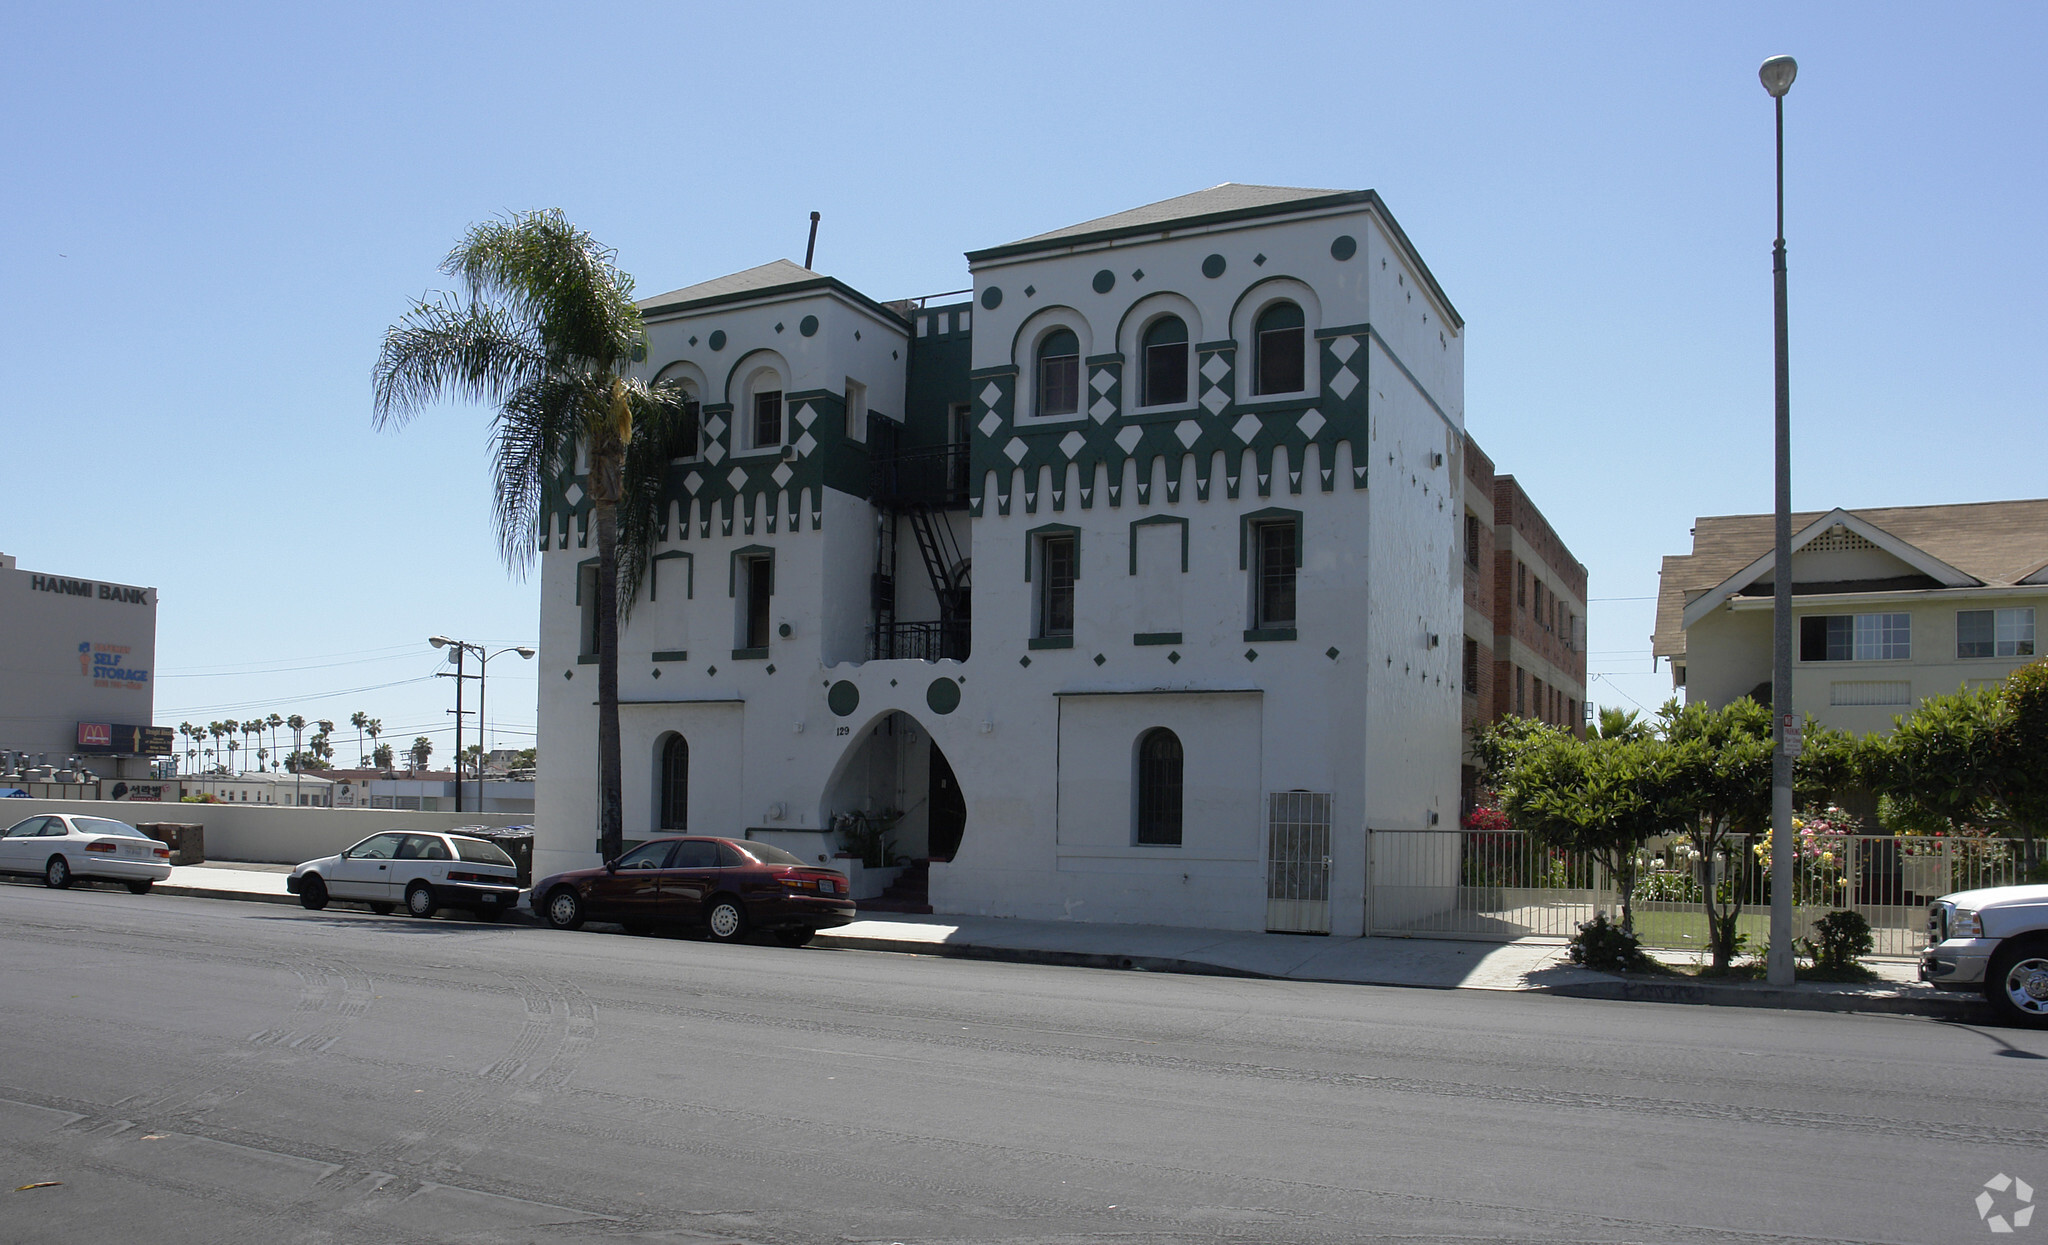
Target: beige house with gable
[1889,605]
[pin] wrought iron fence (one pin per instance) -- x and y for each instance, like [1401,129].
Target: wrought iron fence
[919,641]
[1502,885]
[933,476]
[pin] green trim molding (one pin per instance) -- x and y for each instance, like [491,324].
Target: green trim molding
[671,654]
[1031,541]
[1050,641]
[732,570]
[1270,633]
[1270,514]
[1156,637]
[1155,521]
[689,573]
[750,654]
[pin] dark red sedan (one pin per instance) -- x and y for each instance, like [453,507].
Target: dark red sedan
[726,887]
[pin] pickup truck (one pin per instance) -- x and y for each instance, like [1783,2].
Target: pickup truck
[1994,940]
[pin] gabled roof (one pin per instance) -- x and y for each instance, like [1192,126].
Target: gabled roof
[1231,201]
[778,276]
[1993,543]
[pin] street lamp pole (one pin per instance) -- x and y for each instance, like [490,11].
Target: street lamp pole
[483,666]
[1777,74]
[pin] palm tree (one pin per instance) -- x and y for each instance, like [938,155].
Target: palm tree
[273,722]
[228,728]
[422,748]
[359,720]
[191,734]
[298,725]
[253,727]
[546,332]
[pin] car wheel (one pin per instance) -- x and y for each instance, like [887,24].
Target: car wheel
[141,886]
[795,937]
[727,919]
[563,909]
[312,893]
[419,900]
[383,909]
[57,874]
[2017,985]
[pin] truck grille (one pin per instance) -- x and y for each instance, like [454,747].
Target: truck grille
[1937,923]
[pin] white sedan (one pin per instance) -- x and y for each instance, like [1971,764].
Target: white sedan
[62,846]
[424,871]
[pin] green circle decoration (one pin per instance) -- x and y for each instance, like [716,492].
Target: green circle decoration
[808,327]
[718,339]
[1213,266]
[1105,281]
[992,297]
[843,699]
[943,696]
[1344,247]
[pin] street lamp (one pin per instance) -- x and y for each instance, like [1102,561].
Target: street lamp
[1777,74]
[483,663]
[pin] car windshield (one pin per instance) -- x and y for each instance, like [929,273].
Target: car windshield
[106,825]
[769,855]
[478,852]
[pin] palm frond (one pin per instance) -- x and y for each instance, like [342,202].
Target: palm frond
[534,435]
[556,278]
[661,434]
[442,349]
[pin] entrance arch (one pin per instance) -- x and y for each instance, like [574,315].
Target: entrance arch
[895,775]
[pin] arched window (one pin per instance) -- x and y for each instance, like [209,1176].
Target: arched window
[1159,788]
[1279,341]
[675,784]
[1166,362]
[1059,373]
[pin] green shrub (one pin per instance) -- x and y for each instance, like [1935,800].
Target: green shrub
[1602,944]
[1839,938]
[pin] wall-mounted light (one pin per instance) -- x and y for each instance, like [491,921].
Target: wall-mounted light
[1435,639]
[987,727]
[785,631]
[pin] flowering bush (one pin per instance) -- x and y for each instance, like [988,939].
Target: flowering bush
[1820,854]
[1491,820]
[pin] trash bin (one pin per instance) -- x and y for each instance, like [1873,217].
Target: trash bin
[187,842]
[514,841]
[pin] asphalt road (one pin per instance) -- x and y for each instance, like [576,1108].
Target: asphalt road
[195,1070]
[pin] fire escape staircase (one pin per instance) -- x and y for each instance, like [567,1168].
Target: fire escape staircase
[918,487]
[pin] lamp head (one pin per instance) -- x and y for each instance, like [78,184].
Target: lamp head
[1777,74]
[439,641]
[524,651]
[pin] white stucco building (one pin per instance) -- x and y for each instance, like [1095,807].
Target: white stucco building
[1132,583]
[1889,606]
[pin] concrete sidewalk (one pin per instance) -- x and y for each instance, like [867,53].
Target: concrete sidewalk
[1537,965]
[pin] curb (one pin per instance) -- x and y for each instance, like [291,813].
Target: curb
[1940,1005]
[1025,955]
[205,892]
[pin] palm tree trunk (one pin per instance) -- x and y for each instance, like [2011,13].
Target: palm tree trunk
[611,818]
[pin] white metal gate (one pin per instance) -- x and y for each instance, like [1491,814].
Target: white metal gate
[1298,862]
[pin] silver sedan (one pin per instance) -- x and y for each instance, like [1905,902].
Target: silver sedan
[63,846]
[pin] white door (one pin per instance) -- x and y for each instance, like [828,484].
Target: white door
[15,847]
[1298,862]
[364,871]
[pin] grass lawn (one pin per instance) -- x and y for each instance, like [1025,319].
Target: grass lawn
[1689,929]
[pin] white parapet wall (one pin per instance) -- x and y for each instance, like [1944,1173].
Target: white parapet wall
[264,834]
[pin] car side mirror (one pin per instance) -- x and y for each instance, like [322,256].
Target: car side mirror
[611,866]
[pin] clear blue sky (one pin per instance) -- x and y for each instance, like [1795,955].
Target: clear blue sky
[212,213]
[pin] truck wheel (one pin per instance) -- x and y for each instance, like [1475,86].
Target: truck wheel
[2017,983]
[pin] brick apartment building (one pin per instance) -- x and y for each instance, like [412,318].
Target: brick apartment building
[1525,611]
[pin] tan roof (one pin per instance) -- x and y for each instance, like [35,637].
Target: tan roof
[1228,197]
[1998,542]
[771,275]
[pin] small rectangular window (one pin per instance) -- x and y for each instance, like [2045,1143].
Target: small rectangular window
[1166,374]
[692,421]
[1056,586]
[1995,633]
[1282,362]
[760,591]
[1472,541]
[1275,587]
[1059,384]
[767,419]
[856,410]
[1471,666]
[1522,584]
[586,592]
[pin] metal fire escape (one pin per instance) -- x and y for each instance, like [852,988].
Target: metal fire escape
[918,487]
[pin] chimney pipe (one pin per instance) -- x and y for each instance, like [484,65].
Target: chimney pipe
[811,247]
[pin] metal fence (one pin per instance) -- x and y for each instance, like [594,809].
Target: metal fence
[1502,885]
